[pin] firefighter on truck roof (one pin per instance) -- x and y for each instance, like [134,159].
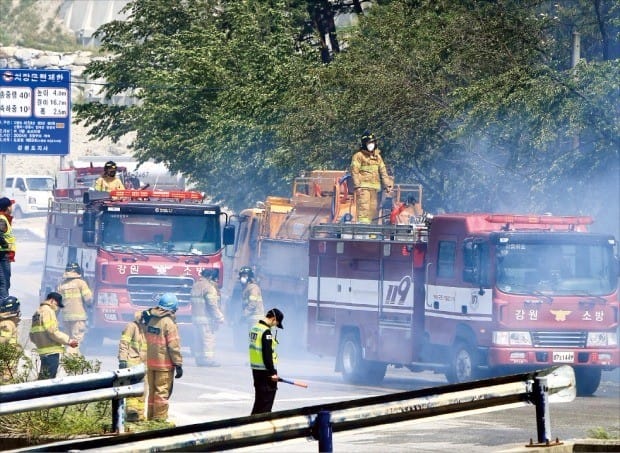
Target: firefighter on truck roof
[108,181]
[369,177]
[76,295]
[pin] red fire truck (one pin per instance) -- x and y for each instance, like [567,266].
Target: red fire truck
[466,295]
[133,246]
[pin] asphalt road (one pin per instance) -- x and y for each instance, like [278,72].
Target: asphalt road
[205,394]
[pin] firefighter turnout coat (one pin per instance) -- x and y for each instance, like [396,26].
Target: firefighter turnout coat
[163,341]
[206,303]
[252,303]
[75,293]
[8,327]
[132,347]
[44,332]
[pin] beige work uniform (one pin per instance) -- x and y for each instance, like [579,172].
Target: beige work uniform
[75,295]
[369,177]
[206,316]
[132,349]
[162,357]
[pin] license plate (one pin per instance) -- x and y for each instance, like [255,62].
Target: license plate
[563,356]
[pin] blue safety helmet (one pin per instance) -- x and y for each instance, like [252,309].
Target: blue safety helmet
[169,302]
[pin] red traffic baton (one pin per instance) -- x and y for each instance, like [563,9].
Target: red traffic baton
[297,383]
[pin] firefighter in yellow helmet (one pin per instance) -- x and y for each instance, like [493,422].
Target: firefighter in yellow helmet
[369,177]
[163,355]
[251,298]
[263,360]
[132,351]
[108,181]
[76,296]
[206,316]
[46,336]
[9,319]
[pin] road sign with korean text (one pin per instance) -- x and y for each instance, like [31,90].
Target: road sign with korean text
[35,111]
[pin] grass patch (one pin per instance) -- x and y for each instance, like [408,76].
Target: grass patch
[601,433]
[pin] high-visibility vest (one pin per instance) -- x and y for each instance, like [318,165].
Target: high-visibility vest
[8,236]
[256,347]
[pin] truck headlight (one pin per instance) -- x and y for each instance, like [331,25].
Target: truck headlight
[107,299]
[512,338]
[602,339]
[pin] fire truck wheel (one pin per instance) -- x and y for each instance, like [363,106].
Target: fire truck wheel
[588,380]
[356,370]
[463,363]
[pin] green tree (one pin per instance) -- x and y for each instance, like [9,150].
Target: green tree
[209,76]
[473,99]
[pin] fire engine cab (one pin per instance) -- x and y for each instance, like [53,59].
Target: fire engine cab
[133,246]
[465,295]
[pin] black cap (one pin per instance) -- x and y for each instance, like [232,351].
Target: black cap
[5,203]
[275,313]
[57,297]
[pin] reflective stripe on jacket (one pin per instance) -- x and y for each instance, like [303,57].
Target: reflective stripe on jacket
[75,293]
[44,332]
[133,348]
[368,171]
[206,302]
[8,330]
[8,235]
[256,347]
[163,341]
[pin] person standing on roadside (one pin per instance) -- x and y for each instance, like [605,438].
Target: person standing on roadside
[75,295]
[132,351]
[109,181]
[46,336]
[263,360]
[369,177]
[7,245]
[206,316]
[163,355]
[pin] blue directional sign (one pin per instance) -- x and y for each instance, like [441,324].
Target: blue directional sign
[35,111]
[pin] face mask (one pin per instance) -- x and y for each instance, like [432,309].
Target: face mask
[111,173]
[370,146]
[243,280]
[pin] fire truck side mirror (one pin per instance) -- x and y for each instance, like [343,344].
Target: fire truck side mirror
[229,234]
[88,228]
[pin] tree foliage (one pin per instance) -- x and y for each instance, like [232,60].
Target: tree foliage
[477,100]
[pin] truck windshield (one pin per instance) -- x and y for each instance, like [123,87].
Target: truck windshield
[161,233]
[560,269]
[40,183]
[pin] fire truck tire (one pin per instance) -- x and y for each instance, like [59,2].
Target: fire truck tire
[463,364]
[588,380]
[356,370]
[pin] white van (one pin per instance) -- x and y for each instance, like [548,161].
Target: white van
[30,192]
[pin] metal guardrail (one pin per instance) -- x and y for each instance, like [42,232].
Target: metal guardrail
[48,393]
[320,422]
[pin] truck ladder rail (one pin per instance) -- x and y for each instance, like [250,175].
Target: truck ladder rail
[415,233]
[65,206]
